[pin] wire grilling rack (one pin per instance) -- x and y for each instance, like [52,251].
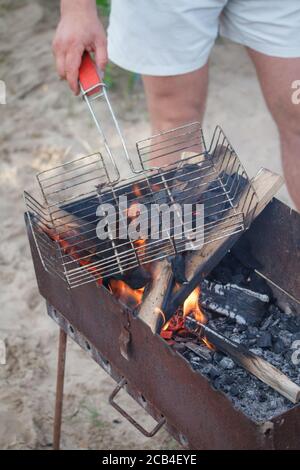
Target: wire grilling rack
[173,169]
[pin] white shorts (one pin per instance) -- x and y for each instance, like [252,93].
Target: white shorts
[171,37]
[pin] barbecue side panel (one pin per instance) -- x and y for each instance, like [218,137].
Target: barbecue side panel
[275,240]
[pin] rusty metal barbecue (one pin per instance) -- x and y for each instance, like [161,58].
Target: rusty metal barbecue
[159,378]
[67,253]
[175,167]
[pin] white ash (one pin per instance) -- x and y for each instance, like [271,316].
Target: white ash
[228,313]
[227,363]
[220,290]
[254,398]
[276,332]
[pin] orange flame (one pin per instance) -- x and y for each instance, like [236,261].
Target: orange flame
[191,306]
[207,343]
[158,311]
[129,296]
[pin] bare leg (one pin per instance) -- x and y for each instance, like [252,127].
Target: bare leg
[276,76]
[176,100]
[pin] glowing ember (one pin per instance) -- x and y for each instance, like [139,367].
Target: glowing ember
[175,326]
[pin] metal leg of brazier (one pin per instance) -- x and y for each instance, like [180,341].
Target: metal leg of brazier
[62,346]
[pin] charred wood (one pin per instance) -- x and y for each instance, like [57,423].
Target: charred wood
[243,305]
[178,268]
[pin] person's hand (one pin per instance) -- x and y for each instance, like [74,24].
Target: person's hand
[79,29]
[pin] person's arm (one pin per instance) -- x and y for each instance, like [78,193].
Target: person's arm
[79,29]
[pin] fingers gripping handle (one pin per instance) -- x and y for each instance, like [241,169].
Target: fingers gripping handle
[89,78]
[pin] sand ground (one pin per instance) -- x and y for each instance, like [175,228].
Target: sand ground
[42,124]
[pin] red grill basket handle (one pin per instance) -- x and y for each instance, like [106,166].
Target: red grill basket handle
[89,77]
[92,87]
